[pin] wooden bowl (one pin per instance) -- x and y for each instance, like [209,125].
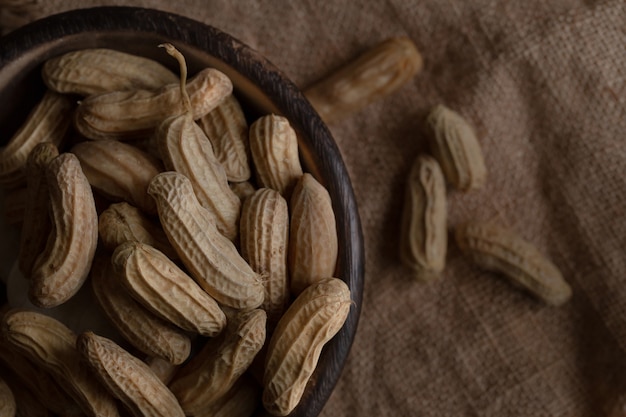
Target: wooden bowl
[260,86]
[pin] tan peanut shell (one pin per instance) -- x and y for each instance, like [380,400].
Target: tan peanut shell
[313,244]
[50,344]
[47,122]
[211,258]
[162,287]
[36,380]
[241,400]
[119,171]
[122,222]
[274,150]
[242,189]
[314,317]
[424,232]
[8,406]
[36,225]
[227,129]
[63,266]
[141,328]
[500,249]
[454,144]
[127,378]
[101,70]
[373,75]
[163,369]
[264,238]
[221,362]
[185,149]
[137,113]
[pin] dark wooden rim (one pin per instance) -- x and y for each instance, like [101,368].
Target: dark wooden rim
[316,139]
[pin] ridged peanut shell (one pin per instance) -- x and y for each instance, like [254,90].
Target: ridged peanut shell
[241,400]
[137,113]
[424,232]
[50,344]
[162,287]
[36,225]
[210,257]
[375,74]
[499,249]
[140,327]
[313,244]
[314,317]
[274,150]
[221,362]
[453,142]
[100,70]
[185,148]
[227,129]
[47,122]
[122,222]
[62,268]
[119,171]
[264,237]
[127,378]
[36,380]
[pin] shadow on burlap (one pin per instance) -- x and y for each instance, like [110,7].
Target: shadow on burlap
[544,83]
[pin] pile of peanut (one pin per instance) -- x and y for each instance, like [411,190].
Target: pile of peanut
[196,232]
[457,161]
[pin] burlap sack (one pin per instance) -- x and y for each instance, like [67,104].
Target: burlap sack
[544,83]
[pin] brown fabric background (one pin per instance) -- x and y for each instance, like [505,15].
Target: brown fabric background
[544,83]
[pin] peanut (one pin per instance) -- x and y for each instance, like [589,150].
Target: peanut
[274,150]
[166,290]
[264,231]
[239,401]
[142,329]
[424,234]
[211,258]
[36,225]
[47,122]
[52,346]
[122,222]
[221,362]
[227,129]
[454,144]
[314,317]
[119,171]
[61,269]
[185,148]
[137,113]
[499,249]
[313,244]
[127,378]
[242,189]
[163,369]
[36,380]
[373,75]
[100,70]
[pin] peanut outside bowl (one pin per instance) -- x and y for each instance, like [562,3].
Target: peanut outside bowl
[259,85]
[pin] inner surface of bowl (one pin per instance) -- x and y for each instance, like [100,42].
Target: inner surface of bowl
[260,87]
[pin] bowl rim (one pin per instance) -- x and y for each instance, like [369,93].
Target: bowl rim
[323,152]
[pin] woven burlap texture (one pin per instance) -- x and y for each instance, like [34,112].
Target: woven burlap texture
[544,84]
